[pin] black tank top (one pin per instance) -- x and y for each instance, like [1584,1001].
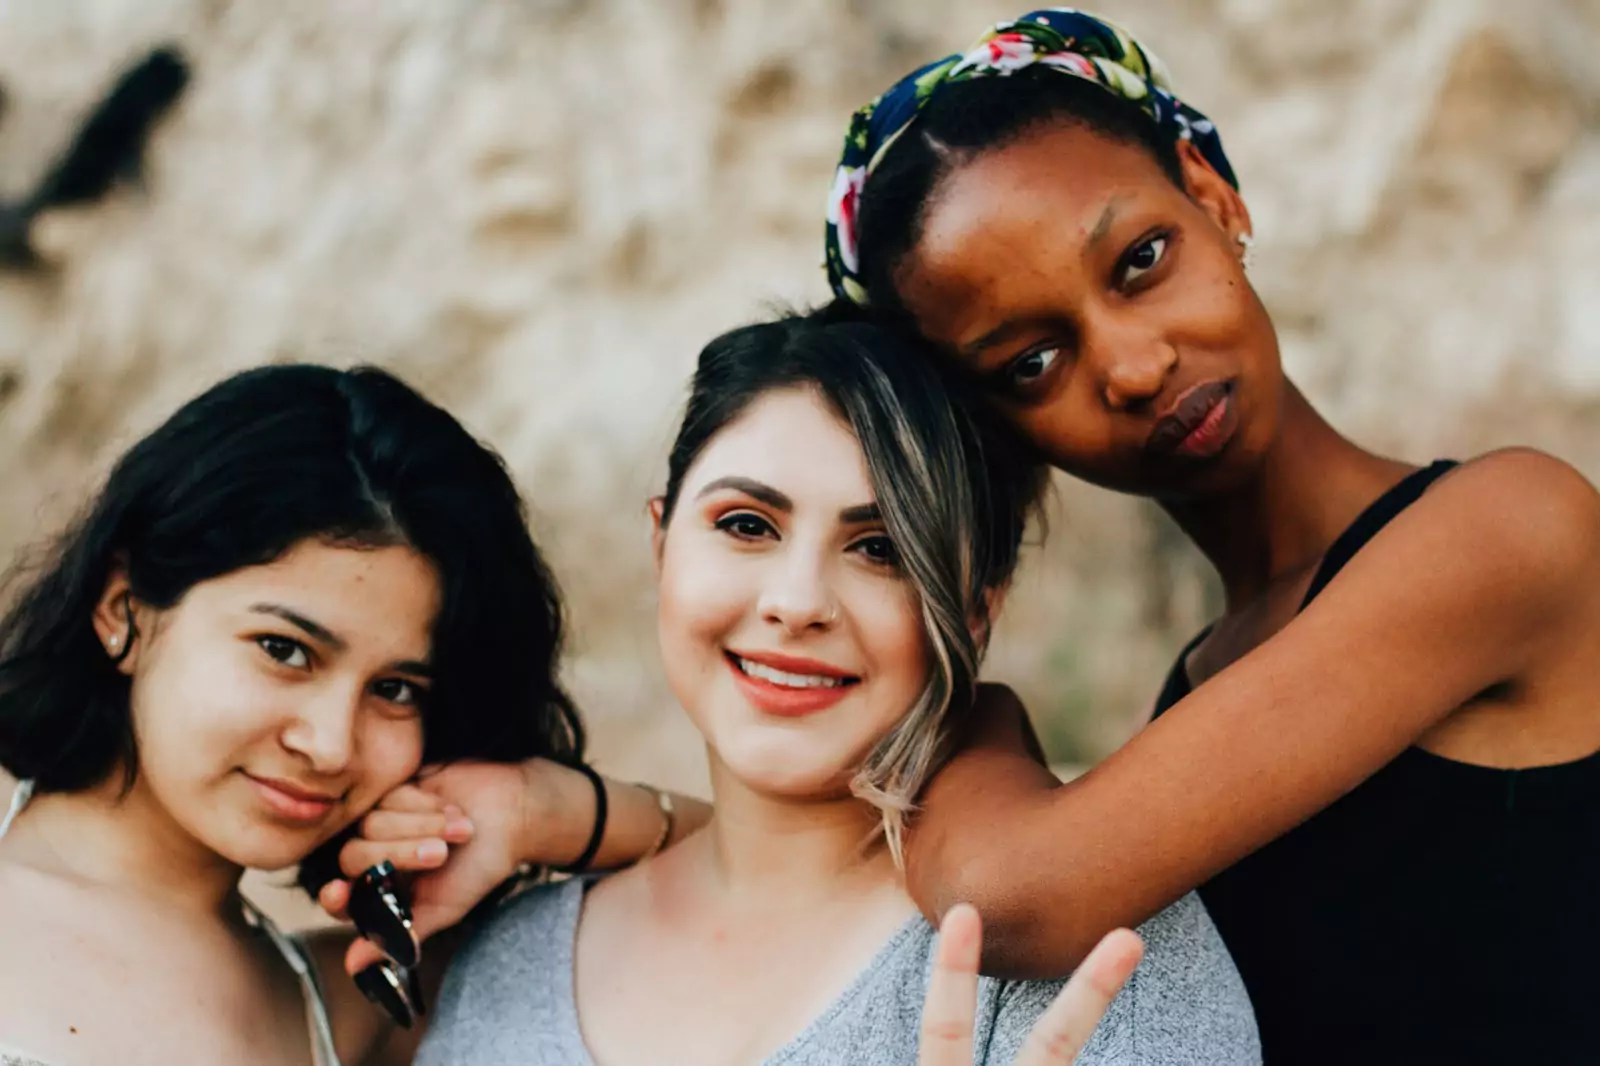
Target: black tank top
[1440,912]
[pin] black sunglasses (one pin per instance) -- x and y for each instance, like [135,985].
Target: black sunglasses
[382,913]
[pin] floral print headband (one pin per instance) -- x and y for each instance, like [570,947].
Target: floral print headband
[1055,38]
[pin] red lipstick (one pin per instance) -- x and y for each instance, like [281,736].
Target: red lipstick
[788,686]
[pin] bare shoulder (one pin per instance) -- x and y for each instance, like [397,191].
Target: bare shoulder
[1529,481]
[1520,510]
[1492,572]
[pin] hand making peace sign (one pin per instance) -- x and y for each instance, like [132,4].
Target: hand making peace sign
[1063,1029]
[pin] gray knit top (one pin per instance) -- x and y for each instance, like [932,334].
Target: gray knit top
[508,998]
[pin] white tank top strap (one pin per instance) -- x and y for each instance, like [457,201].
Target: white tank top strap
[19,799]
[323,1051]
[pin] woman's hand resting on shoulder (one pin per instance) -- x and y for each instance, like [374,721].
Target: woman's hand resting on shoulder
[459,832]
[1063,1029]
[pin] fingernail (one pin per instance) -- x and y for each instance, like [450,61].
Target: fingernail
[460,828]
[433,851]
[381,985]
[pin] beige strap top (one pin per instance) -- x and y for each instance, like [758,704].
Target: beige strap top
[293,952]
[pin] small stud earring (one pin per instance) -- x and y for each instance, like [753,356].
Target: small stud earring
[1247,242]
[114,642]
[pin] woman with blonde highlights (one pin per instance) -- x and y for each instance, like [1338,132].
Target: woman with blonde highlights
[833,533]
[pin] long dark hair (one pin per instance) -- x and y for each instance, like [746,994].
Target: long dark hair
[258,463]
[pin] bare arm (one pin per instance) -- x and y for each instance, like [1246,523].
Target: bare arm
[1475,585]
[463,830]
[537,812]
[633,822]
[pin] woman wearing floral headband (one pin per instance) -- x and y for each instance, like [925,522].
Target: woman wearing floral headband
[1380,764]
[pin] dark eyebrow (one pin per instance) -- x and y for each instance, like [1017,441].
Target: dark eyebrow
[1103,225]
[1003,332]
[995,336]
[860,513]
[752,488]
[317,632]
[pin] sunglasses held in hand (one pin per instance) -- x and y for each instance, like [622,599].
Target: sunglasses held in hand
[382,913]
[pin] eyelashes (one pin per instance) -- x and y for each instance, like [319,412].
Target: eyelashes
[1029,367]
[745,525]
[749,527]
[400,692]
[1144,257]
[878,549]
[295,655]
[1023,375]
[285,650]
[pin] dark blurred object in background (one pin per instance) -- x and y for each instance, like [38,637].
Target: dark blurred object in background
[108,147]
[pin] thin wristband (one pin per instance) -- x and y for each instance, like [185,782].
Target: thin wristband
[668,817]
[598,834]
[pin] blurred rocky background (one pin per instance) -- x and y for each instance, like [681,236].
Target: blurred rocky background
[539,210]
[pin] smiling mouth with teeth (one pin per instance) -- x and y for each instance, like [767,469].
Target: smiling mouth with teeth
[774,676]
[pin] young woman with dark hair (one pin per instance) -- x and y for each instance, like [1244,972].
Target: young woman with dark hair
[1379,765]
[285,600]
